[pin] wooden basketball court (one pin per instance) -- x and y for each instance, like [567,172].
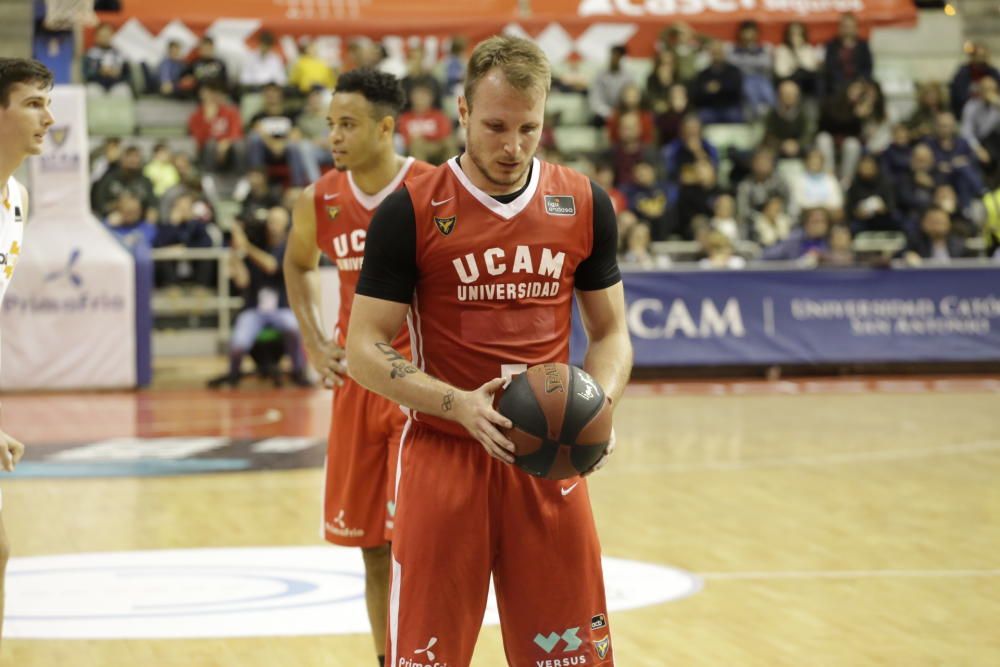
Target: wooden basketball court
[849,522]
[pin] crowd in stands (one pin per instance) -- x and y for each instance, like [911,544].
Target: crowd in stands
[828,163]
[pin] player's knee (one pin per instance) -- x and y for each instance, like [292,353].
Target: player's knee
[376,557]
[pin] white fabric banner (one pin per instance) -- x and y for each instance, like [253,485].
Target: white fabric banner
[60,182]
[68,319]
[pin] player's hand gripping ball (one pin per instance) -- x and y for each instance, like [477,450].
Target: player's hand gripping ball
[561,417]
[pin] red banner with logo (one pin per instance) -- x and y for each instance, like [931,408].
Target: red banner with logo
[378,18]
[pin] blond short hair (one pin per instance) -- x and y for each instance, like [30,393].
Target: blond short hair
[522,62]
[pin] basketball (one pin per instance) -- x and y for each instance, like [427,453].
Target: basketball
[561,417]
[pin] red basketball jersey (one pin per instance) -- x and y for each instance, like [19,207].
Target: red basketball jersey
[343,213]
[495,284]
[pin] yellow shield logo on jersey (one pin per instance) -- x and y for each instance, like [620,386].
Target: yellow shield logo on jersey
[602,646]
[333,212]
[445,225]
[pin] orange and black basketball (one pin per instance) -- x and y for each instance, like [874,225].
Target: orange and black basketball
[562,420]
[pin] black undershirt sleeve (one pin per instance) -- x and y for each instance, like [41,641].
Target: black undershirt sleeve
[600,269]
[389,270]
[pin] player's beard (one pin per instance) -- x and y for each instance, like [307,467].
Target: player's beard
[484,169]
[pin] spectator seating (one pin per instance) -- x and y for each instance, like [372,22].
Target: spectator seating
[639,68]
[738,136]
[109,116]
[160,117]
[449,104]
[226,211]
[569,108]
[250,105]
[183,144]
[896,80]
[574,139]
[691,251]
[879,243]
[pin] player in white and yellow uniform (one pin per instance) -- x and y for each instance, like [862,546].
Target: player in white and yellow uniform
[24,120]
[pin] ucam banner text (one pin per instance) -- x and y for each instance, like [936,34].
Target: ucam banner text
[811,317]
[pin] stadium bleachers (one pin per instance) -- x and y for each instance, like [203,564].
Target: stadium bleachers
[899,62]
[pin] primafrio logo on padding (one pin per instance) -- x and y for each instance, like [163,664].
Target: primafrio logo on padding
[70,272]
[254,592]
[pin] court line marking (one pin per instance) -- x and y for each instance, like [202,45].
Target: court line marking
[269,416]
[183,428]
[844,458]
[846,574]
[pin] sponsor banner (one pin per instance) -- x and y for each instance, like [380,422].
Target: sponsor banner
[585,27]
[69,317]
[60,175]
[823,316]
[343,12]
[704,13]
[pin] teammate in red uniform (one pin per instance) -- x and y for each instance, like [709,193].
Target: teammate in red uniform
[482,257]
[24,120]
[332,217]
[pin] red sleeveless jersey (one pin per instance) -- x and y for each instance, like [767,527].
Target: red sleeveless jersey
[495,281]
[343,213]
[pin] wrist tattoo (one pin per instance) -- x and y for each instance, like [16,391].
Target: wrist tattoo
[448,402]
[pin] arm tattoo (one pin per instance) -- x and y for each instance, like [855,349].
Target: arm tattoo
[448,401]
[400,366]
[389,351]
[400,369]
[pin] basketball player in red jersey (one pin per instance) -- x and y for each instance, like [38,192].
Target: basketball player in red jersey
[24,120]
[482,257]
[332,217]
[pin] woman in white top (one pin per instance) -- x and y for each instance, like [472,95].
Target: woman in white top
[795,58]
[24,120]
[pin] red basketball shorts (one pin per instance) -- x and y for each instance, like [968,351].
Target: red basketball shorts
[361,454]
[462,516]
